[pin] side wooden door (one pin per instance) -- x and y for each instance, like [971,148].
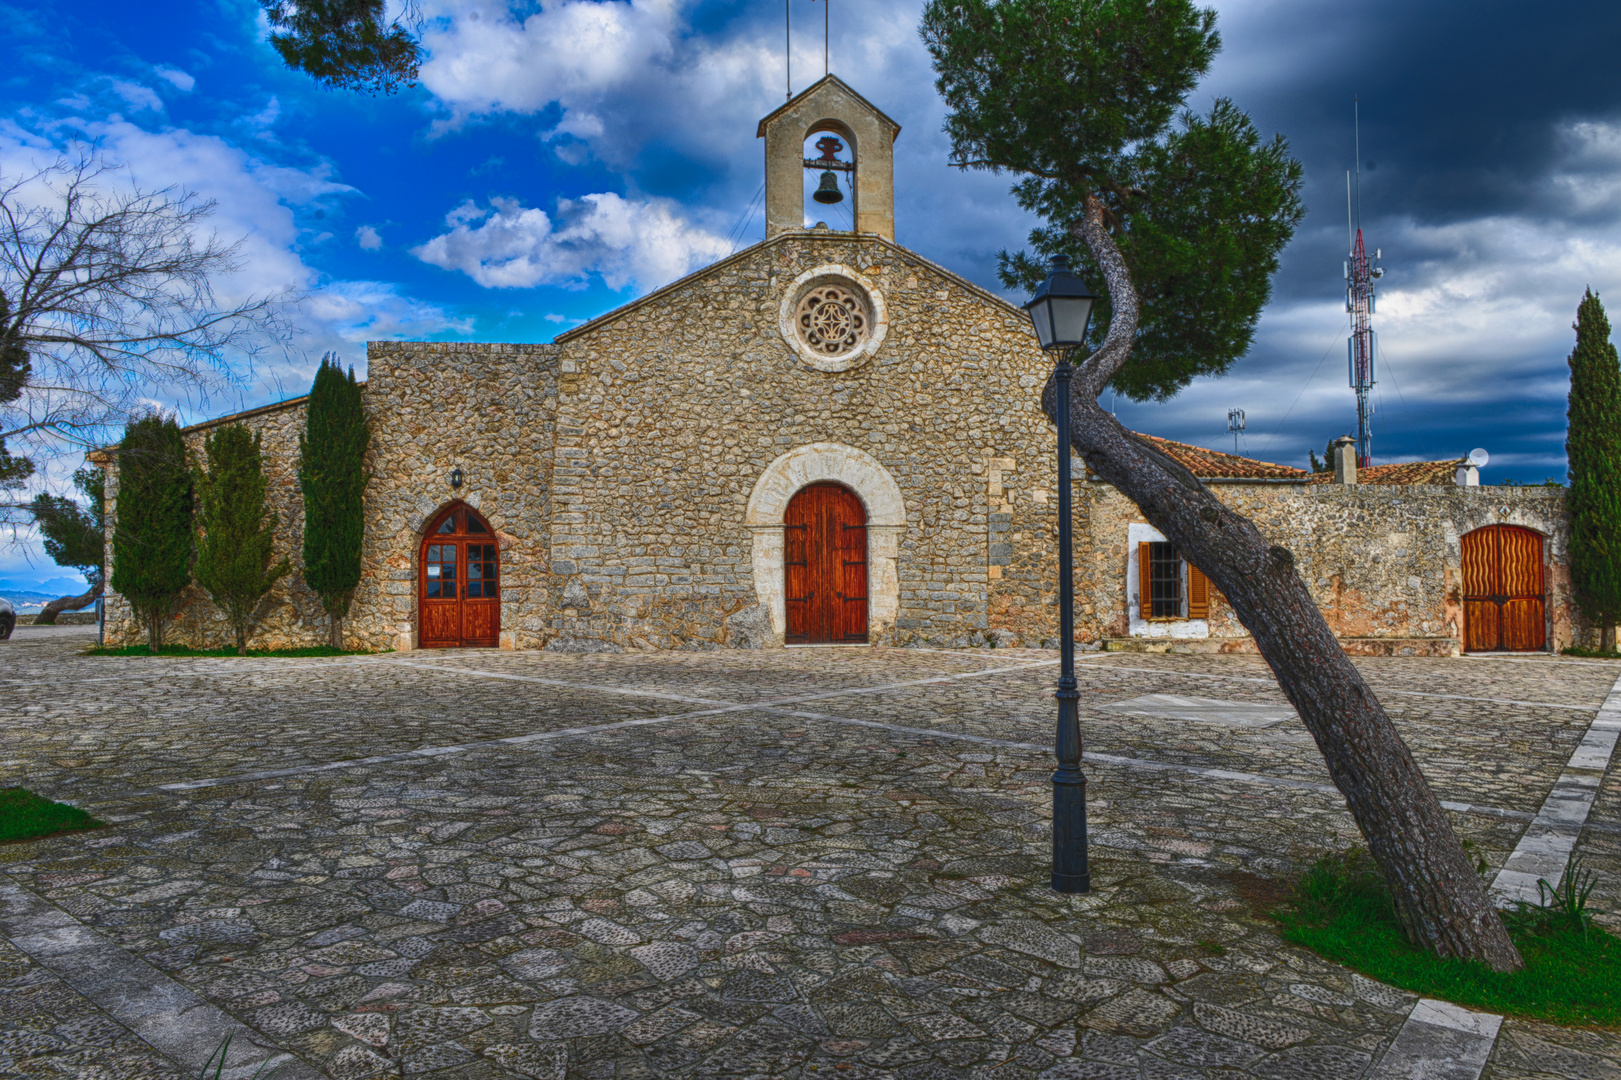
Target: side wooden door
[1503,590]
[825,566]
[459,591]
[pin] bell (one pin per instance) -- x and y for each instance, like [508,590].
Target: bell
[829,191]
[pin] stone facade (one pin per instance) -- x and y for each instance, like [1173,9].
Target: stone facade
[1383,562]
[489,410]
[637,470]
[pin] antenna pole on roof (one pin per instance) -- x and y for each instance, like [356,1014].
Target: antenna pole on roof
[788,46]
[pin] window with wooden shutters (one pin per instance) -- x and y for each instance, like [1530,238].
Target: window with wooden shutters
[1198,594]
[1163,584]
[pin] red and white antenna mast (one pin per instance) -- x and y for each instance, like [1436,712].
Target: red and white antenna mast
[1360,272]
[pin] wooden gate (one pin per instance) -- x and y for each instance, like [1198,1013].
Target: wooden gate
[1503,590]
[825,565]
[459,591]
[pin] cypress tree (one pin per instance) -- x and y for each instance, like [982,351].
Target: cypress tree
[152,538]
[332,476]
[233,555]
[1593,445]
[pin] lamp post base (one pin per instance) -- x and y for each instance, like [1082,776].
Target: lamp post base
[1072,872]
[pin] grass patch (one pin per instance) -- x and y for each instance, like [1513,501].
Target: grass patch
[1591,654]
[186,650]
[1342,909]
[26,816]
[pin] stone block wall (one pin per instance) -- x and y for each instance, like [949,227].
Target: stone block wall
[434,406]
[290,615]
[670,409]
[1383,562]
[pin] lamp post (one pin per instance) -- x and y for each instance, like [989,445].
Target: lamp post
[1060,312]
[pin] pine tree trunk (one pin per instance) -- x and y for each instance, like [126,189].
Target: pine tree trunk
[1606,637]
[154,632]
[1438,894]
[47,614]
[336,640]
[241,641]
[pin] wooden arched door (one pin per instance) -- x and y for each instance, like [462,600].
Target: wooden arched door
[459,582]
[825,564]
[1503,590]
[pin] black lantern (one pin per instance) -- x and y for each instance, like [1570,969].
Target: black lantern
[1060,311]
[1061,308]
[456,477]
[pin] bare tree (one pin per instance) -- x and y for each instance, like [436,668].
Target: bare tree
[107,300]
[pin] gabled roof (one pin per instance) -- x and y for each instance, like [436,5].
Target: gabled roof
[783,238]
[759,132]
[1215,465]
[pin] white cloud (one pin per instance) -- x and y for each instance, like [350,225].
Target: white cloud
[138,97]
[368,238]
[512,246]
[361,311]
[180,79]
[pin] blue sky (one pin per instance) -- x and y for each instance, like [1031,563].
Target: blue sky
[560,159]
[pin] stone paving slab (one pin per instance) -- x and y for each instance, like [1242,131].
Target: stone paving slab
[738,893]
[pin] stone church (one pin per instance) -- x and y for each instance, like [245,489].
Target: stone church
[827,439]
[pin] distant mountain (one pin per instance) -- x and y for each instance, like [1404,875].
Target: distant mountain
[55,587]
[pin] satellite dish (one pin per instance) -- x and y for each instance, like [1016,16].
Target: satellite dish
[1479,457]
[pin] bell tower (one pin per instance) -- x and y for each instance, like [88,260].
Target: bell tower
[830,106]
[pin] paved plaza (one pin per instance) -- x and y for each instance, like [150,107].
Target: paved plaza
[797,863]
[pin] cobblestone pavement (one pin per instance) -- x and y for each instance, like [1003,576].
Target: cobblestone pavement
[799,863]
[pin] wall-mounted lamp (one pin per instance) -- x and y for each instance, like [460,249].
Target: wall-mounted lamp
[456,477]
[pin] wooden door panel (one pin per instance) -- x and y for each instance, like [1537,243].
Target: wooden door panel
[1520,573]
[1520,625]
[459,588]
[1503,590]
[1480,563]
[825,565]
[441,624]
[1480,625]
[852,570]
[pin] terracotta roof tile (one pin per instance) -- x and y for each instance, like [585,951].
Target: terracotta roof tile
[1410,472]
[1213,464]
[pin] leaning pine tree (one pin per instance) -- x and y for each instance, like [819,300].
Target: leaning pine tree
[332,476]
[152,538]
[1182,217]
[238,529]
[1593,446]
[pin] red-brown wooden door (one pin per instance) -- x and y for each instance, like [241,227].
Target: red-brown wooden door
[1503,590]
[459,590]
[825,565]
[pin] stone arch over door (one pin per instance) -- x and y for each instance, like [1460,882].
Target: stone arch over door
[886,521]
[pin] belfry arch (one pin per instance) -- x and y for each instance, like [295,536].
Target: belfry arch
[880,495]
[829,105]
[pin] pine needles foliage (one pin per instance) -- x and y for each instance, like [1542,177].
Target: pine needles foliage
[332,475]
[238,529]
[152,540]
[1593,445]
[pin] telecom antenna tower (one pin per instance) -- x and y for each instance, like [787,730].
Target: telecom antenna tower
[1360,272]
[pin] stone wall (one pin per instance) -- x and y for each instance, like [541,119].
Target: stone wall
[670,409]
[486,408]
[1382,561]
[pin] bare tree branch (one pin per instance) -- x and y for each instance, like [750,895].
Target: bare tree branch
[110,291]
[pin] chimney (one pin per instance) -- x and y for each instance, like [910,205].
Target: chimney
[1345,460]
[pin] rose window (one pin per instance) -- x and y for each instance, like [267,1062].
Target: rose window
[832,320]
